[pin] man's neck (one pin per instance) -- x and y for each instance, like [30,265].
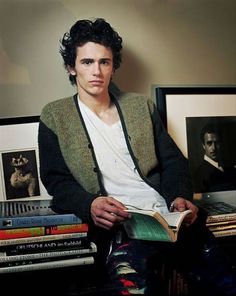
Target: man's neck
[102,106]
[97,103]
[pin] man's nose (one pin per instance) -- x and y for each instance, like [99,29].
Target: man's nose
[96,69]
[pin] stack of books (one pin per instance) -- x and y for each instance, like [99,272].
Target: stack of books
[221,218]
[33,237]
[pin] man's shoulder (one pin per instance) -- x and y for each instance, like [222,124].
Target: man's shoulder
[134,99]
[58,103]
[55,106]
[132,95]
[59,107]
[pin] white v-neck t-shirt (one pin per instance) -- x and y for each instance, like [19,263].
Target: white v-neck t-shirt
[119,175]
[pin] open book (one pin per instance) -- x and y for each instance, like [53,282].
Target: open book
[151,225]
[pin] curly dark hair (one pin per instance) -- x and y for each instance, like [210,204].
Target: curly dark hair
[210,128]
[83,31]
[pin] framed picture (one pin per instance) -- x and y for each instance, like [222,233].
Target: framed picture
[187,112]
[19,159]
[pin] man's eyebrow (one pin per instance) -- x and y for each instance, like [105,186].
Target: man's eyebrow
[107,59]
[86,59]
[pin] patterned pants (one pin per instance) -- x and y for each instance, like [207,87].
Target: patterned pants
[136,267]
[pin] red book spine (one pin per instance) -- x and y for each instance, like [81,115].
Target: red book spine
[42,230]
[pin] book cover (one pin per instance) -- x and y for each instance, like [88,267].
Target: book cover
[44,238]
[4,258]
[34,207]
[42,230]
[48,265]
[151,225]
[42,220]
[44,246]
[218,211]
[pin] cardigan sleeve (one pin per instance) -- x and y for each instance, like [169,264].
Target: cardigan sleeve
[67,194]
[175,178]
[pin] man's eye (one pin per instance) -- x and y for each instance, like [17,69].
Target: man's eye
[105,62]
[86,62]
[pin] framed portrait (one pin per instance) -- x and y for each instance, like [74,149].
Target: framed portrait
[19,160]
[188,113]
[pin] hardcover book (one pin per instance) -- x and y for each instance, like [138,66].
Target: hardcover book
[42,260]
[42,230]
[28,248]
[151,225]
[218,211]
[225,232]
[44,238]
[42,220]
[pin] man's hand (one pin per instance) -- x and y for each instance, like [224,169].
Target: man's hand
[106,212]
[181,204]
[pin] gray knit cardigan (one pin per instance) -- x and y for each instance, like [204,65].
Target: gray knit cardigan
[68,166]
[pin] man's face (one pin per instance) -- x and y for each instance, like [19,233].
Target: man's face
[93,69]
[212,146]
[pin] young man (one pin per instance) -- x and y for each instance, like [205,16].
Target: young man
[212,175]
[100,152]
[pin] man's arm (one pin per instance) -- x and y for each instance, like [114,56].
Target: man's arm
[68,195]
[174,170]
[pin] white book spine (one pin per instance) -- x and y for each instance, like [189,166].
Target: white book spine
[48,265]
[221,217]
[222,233]
[5,258]
[34,239]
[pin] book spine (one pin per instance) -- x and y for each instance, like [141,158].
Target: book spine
[222,227]
[45,246]
[222,217]
[40,260]
[45,220]
[222,233]
[53,254]
[42,230]
[44,238]
[48,265]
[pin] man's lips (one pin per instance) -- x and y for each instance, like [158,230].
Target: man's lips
[96,82]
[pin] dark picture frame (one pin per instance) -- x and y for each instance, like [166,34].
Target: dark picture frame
[19,159]
[185,109]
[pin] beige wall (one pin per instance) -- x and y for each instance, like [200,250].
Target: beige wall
[171,42]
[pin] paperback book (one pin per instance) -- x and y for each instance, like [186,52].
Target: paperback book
[151,225]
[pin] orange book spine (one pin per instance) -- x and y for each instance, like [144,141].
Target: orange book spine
[42,230]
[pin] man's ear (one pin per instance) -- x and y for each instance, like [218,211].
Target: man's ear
[71,70]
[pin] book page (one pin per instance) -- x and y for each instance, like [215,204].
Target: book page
[175,218]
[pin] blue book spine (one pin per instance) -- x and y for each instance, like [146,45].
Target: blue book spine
[44,220]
